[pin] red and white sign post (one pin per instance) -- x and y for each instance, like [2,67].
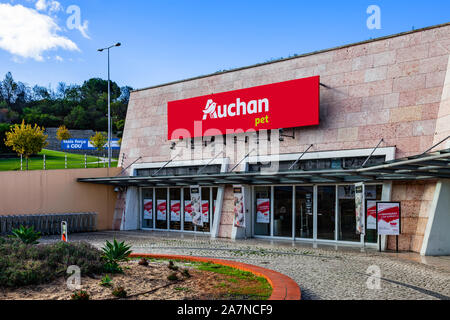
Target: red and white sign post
[389,219]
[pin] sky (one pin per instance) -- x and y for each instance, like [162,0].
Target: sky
[47,41]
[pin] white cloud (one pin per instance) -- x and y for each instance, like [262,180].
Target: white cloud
[26,33]
[41,5]
[58,58]
[83,28]
[52,6]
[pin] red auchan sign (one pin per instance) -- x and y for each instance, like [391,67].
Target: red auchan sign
[293,103]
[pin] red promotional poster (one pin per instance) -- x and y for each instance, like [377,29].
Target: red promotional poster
[161,210]
[187,211]
[388,218]
[287,104]
[205,211]
[175,210]
[148,208]
[263,210]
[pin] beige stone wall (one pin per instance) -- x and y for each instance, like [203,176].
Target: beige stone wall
[57,191]
[443,119]
[415,201]
[390,88]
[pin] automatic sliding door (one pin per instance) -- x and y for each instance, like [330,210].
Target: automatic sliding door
[282,218]
[175,208]
[263,212]
[347,217]
[161,208]
[147,208]
[187,216]
[304,212]
[326,208]
[206,210]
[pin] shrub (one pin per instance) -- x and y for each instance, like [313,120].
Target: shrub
[26,234]
[112,267]
[186,273]
[80,295]
[106,281]
[143,262]
[116,251]
[119,292]
[172,266]
[172,277]
[25,264]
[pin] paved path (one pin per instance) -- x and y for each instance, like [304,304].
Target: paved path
[325,272]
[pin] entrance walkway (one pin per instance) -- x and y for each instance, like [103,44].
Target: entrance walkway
[322,272]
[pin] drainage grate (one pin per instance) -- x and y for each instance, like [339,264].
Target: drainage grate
[49,224]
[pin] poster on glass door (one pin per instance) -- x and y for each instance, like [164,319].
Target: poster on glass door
[148,209]
[359,207]
[205,211]
[388,215]
[187,211]
[371,206]
[239,206]
[161,210]
[263,210]
[196,206]
[175,209]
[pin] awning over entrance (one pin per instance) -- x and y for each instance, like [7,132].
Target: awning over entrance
[435,165]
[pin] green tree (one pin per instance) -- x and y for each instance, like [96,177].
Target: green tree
[98,141]
[63,133]
[26,139]
[4,127]
[77,118]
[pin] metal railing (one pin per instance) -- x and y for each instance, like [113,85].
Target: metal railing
[50,224]
[44,162]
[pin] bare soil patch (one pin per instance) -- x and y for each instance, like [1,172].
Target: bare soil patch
[206,281]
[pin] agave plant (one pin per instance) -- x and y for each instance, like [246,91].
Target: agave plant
[26,234]
[116,251]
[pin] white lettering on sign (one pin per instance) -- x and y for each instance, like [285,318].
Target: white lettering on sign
[235,109]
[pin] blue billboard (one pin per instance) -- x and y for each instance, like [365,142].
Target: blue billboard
[84,144]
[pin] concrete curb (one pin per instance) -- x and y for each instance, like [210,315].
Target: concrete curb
[283,287]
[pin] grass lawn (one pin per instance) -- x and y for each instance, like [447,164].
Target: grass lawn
[54,160]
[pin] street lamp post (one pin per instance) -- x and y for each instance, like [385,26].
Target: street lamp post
[109,105]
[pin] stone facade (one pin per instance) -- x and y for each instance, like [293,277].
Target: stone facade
[416,201]
[396,88]
[390,88]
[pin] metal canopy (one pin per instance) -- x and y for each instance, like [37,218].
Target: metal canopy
[435,165]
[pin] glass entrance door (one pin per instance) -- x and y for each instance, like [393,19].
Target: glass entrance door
[304,212]
[147,208]
[175,209]
[161,208]
[282,207]
[326,208]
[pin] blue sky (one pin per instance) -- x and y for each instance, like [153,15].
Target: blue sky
[169,40]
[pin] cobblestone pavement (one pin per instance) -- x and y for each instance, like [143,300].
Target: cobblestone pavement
[325,272]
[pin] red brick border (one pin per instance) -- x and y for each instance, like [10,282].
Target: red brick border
[283,287]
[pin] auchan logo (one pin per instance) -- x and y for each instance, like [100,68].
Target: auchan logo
[234,109]
[288,104]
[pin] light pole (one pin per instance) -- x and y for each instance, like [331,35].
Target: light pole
[109,105]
